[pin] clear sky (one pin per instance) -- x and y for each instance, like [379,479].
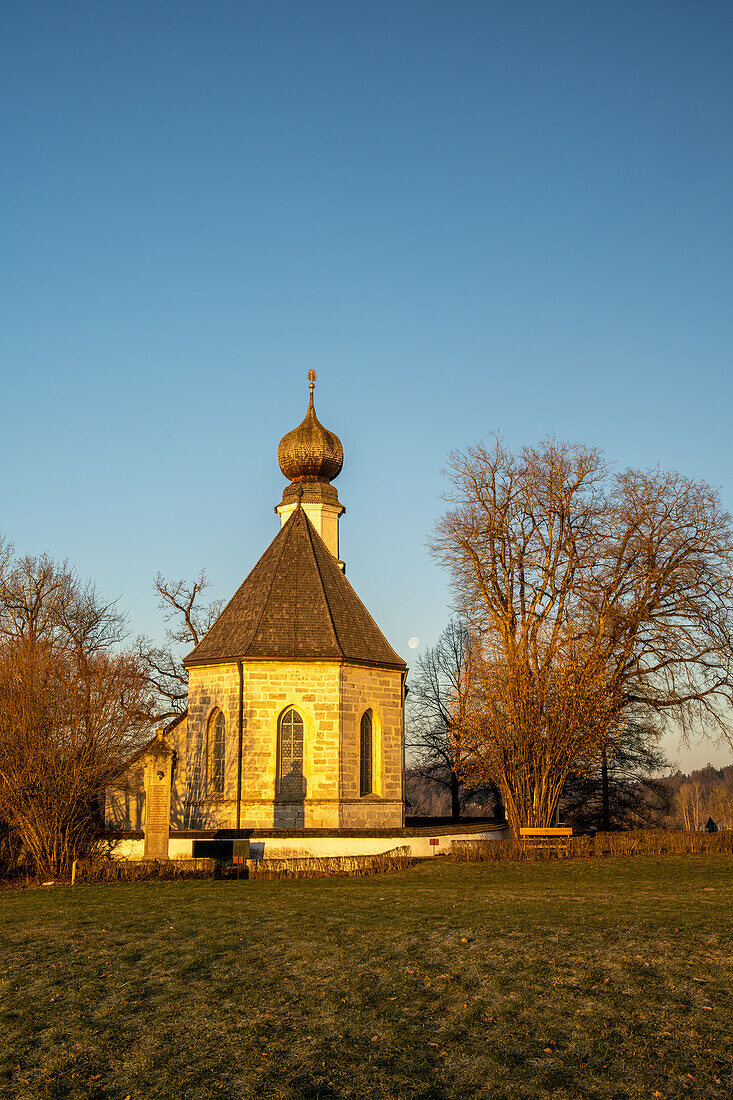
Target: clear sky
[464,216]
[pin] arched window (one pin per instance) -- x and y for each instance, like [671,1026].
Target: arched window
[195,762]
[290,754]
[217,749]
[365,754]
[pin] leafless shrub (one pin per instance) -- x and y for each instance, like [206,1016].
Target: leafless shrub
[653,842]
[127,870]
[331,866]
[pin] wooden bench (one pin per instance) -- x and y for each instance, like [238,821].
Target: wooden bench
[557,837]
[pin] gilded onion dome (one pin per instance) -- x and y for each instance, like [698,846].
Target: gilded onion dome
[310,452]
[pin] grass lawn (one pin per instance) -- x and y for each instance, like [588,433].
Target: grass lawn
[585,978]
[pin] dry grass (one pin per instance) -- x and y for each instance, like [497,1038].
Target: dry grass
[583,978]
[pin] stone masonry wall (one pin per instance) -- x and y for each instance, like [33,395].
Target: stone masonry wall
[125,798]
[209,688]
[269,688]
[124,806]
[331,699]
[177,739]
[381,691]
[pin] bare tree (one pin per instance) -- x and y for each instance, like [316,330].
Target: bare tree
[706,793]
[441,696]
[35,593]
[6,556]
[626,788]
[73,708]
[189,620]
[530,731]
[689,802]
[720,803]
[590,596]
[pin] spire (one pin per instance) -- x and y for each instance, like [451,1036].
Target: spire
[311,457]
[310,452]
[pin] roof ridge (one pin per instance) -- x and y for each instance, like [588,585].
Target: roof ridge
[295,604]
[369,615]
[272,581]
[323,587]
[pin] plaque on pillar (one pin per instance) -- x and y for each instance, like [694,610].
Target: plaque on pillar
[158,766]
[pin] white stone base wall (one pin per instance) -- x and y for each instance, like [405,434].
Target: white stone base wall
[320,847]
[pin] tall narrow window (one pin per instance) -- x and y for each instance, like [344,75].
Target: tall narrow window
[196,773]
[365,754]
[195,762]
[217,749]
[290,754]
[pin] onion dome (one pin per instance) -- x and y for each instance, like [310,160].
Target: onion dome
[310,452]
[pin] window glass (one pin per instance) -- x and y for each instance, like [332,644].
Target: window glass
[218,744]
[290,753]
[195,762]
[365,754]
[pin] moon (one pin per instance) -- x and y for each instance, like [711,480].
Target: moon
[414,643]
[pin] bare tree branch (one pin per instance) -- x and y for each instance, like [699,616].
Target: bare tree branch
[589,596]
[73,707]
[441,698]
[181,604]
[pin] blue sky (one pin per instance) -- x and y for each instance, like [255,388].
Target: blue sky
[464,216]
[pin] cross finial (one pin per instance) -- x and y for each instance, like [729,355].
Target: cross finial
[311,380]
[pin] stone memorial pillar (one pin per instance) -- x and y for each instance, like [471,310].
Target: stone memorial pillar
[158,767]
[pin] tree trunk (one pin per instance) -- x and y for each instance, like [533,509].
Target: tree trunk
[530,803]
[605,801]
[499,811]
[455,802]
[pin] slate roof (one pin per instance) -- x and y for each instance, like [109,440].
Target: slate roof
[295,604]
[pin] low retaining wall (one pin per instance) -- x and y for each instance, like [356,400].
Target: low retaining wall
[422,843]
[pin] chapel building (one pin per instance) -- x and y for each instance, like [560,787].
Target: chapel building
[296,699]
